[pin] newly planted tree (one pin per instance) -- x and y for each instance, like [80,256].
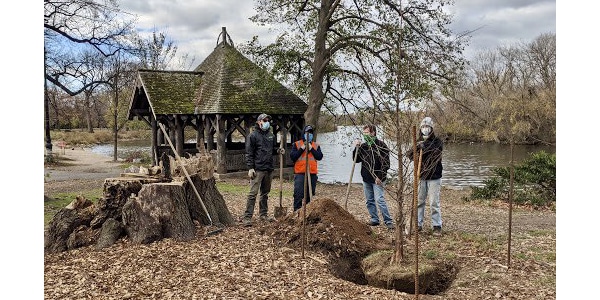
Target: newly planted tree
[375,59]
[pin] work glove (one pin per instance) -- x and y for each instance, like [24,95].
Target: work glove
[281,151]
[309,146]
[356,142]
[303,147]
[420,145]
[251,173]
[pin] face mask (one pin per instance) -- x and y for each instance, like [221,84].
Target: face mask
[265,125]
[426,131]
[369,139]
[308,137]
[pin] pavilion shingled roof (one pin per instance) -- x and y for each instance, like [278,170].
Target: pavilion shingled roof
[171,92]
[233,84]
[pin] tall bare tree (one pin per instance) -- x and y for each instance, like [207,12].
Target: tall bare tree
[321,43]
[72,25]
[154,52]
[372,58]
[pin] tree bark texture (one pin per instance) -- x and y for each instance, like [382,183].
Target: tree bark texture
[116,193]
[144,209]
[78,213]
[159,211]
[111,231]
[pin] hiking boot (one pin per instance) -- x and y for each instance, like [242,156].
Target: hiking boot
[437,230]
[371,223]
[266,219]
[247,222]
[390,226]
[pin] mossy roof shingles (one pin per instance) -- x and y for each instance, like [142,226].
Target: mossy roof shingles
[171,92]
[233,84]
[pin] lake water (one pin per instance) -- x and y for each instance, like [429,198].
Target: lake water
[464,164]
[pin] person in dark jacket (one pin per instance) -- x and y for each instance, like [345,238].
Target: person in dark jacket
[259,159]
[430,182]
[298,155]
[374,157]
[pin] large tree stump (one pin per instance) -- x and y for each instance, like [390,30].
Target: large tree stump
[111,231]
[116,193]
[79,212]
[213,201]
[82,236]
[144,207]
[159,211]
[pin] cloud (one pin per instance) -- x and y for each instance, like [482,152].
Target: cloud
[194,25]
[502,23]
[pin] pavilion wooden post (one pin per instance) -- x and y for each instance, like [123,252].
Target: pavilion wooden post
[221,148]
[283,143]
[210,143]
[154,141]
[200,135]
[179,139]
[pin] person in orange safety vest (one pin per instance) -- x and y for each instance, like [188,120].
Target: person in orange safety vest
[298,156]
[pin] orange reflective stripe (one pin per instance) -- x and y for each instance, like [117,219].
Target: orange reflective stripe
[300,165]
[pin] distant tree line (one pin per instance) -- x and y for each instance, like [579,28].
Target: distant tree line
[506,94]
[509,84]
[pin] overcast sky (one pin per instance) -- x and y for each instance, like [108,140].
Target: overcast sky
[195,24]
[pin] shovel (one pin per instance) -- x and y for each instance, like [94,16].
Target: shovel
[187,175]
[350,181]
[280,211]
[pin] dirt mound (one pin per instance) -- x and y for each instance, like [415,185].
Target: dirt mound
[331,230]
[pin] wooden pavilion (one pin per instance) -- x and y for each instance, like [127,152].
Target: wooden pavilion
[220,101]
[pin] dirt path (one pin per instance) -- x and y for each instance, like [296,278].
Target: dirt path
[83,170]
[83,164]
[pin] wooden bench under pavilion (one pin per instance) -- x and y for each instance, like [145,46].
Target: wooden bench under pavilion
[220,101]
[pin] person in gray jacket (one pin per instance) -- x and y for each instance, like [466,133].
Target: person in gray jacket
[259,159]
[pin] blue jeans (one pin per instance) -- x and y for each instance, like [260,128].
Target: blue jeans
[299,189]
[375,199]
[430,189]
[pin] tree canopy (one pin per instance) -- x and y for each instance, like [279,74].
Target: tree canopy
[329,50]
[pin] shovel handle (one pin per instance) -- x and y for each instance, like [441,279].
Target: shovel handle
[350,181]
[281,145]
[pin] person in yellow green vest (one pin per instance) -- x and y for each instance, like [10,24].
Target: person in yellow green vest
[300,149]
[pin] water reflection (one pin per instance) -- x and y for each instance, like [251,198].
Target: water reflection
[464,164]
[124,148]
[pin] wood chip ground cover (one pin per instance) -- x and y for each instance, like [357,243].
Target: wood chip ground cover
[251,263]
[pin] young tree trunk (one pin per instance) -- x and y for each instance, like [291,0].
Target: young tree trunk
[88,111]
